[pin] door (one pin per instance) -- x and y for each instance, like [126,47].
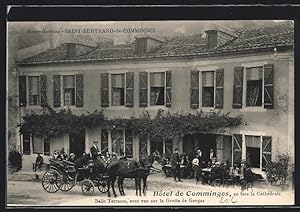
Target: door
[26,143]
[156,144]
[77,143]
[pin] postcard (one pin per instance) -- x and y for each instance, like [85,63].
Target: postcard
[150,113]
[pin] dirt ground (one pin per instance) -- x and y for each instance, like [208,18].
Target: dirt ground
[161,191]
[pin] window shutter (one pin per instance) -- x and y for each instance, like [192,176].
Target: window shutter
[143,95]
[194,89]
[79,90]
[268,86]
[143,146]
[43,87]
[266,150]
[56,91]
[238,87]
[104,141]
[129,89]
[104,90]
[219,101]
[129,143]
[237,148]
[22,91]
[168,88]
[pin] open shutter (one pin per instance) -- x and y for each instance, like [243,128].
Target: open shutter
[129,89]
[104,141]
[268,86]
[194,89]
[236,149]
[143,146]
[219,101]
[104,90]
[238,87]
[143,95]
[43,87]
[79,90]
[168,147]
[168,88]
[129,143]
[22,91]
[56,91]
[266,150]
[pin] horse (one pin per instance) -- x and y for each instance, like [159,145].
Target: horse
[129,169]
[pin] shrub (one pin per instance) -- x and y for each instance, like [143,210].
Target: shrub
[277,171]
[15,160]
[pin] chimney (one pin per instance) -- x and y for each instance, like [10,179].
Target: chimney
[218,36]
[145,44]
[70,50]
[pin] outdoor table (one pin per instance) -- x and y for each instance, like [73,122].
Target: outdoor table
[168,170]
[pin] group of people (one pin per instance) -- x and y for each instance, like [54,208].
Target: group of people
[94,154]
[193,166]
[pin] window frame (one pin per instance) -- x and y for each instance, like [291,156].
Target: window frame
[63,90]
[39,90]
[201,89]
[110,92]
[149,71]
[245,108]
[27,90]
[244,105]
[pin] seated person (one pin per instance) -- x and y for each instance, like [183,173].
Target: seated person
[216,172]
[235,173]
[55,154]
[72,158]
[38,162]
[247,176]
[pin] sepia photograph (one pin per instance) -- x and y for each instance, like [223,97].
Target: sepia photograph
[150,113]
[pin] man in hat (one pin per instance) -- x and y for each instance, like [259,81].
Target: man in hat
[94,150]
[38,162]
[175,165]
[72,158]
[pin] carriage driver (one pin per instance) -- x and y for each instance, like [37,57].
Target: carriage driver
[94,150]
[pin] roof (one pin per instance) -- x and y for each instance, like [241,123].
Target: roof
[257,38]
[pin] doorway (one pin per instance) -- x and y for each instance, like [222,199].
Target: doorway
[205,142]
[253,156]
[77,143]
[156,144]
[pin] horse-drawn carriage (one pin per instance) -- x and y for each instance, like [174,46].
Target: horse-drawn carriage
[64,175]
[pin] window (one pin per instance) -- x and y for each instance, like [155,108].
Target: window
[34,90]
[157,88]
[69,90]
[117,89]
[254,85]
[208,89]
[257,152]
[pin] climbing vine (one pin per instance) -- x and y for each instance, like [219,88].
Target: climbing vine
[166,125]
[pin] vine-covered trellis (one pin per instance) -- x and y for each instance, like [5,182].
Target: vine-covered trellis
[52,123]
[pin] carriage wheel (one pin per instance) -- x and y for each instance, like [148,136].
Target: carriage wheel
[102,185]
[51,181]
[87,187]
[66,184]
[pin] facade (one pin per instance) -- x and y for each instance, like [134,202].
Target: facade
[247,72]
